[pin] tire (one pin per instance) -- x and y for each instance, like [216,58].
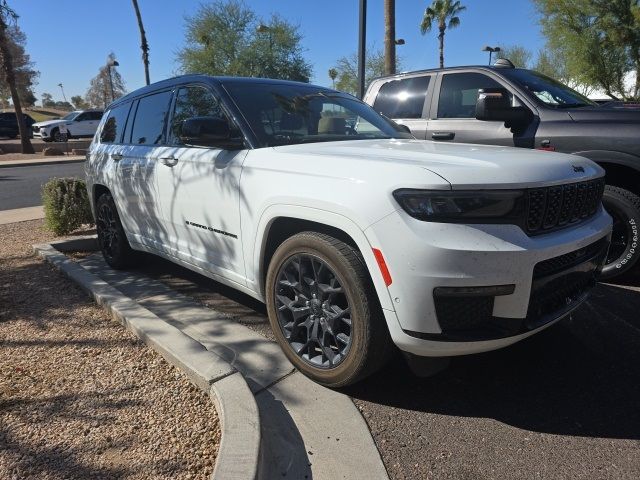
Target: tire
[352,340]
[624,253]
[111,237]
[55,135]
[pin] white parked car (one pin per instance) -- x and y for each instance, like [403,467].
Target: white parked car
[356,236]
[79,124]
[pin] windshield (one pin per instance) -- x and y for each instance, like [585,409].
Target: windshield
[70,116]
[282,114]
[547,90]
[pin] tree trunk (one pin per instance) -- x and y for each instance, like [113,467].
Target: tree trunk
[7,65]
[389,37]
[441,38]
[143,42]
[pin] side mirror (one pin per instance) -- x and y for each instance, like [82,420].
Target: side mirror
[495,104]
[207,132]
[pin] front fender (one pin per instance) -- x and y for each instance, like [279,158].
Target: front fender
[255,252]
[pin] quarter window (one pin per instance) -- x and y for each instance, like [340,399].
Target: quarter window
[193,102]
[402,98]
[459,94]
[114,125]
[151,115]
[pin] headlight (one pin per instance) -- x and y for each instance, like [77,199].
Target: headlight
[484,206]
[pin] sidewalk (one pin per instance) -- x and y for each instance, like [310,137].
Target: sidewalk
[39,160]
[21,214]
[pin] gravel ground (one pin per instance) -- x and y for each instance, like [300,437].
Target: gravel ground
[80,397]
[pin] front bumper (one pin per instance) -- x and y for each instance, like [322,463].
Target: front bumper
[545,281]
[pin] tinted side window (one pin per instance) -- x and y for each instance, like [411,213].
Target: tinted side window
[114,125]
[402,98]
[459,93]
[148,126]
[94,115]
[193,102]
[82,117]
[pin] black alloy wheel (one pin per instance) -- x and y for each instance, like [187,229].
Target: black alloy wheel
[313,311]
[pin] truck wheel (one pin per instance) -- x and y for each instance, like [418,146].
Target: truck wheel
[324,311]
[111,237]
[624,253]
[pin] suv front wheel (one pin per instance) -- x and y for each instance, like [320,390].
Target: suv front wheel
[324,311]
[624,253]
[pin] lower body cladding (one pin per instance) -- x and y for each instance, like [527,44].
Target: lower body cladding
[462,289]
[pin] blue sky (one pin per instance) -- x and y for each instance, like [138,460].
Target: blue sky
[70,39]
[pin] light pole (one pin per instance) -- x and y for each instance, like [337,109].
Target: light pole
[63,95]
[362,41]
[491,50]
[111,63]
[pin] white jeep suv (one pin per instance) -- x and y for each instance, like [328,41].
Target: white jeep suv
[79,124]
[355,235]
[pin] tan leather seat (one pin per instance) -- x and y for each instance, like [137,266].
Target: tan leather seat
[332,126]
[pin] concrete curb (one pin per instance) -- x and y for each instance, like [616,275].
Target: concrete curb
[236,405]
[36,162]
[21,214]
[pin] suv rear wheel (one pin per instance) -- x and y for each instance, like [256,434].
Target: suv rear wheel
[111,237]
[324,311]
[623,255]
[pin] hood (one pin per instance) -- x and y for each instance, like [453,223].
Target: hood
[606,114]
[464,166]
[48,123]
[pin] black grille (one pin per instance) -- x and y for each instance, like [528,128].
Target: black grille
[557,264]
[553,207]
[557,295]
[463,313]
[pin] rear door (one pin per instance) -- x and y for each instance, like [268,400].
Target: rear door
[453,111]
[403,100]
[138,163]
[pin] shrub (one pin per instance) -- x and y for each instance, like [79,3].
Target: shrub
[66,205]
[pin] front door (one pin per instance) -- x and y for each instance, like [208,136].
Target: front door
[455,120]
[199,193]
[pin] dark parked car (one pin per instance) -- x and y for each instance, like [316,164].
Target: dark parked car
[9,124]
[503,105]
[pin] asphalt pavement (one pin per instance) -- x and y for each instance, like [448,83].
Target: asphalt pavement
[564,404]
[22,186]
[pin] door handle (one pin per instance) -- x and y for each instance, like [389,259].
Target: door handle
[169,161]
[116,156]
[443,135]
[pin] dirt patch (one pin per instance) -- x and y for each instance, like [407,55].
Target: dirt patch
[80,397]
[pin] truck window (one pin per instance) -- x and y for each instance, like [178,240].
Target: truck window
[459,93]
[402,98]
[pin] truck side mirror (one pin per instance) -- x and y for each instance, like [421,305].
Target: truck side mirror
[495,104]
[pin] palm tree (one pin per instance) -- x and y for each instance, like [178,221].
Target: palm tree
[143,42]
[333,73]
[389,37]
[6,60]
[445,14]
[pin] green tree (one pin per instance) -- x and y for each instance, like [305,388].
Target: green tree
[517,54]
[444,13]
[99,93]
[599,40]
[47,100]
[79,103]
[333,74]
[347,70]
[227,38]
[8,72]
[26,75]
